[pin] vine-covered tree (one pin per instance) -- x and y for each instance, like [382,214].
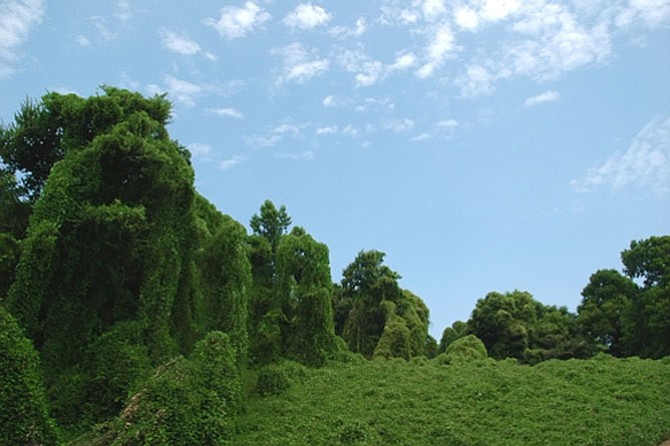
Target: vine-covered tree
[382,319]
[305,291]
[111,240]
[515,325]
[291,312]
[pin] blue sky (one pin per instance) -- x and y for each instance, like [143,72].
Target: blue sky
[484,145]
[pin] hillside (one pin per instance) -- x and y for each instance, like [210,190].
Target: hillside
[603,401]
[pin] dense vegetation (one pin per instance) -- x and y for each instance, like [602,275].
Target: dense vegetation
[133,312]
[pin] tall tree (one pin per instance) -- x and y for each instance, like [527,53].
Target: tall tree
[605,310]
[649,261]
[381,318]
[305,291]
[110,240]
[271,223]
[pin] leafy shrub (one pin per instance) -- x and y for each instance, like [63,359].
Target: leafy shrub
[186,402]
[465,349]
[274,379]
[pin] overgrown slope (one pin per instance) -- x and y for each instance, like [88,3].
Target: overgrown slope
[603,401]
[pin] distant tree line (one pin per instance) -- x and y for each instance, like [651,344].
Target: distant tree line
[623,314]
[124,291]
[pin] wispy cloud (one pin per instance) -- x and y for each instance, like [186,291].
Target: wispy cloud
[226,112]
[229,163]
[304,155]
[200,151]
[179,43]
[403,61]
[236,22]
[275,136]
[397,125]
[17,20]
[103,28]
[652,13]
[433,9]
[547,96]
[646,163]
[299,64]
[306,16]
[124,10]
[183,91]
[82,40]
[343,32]
[440,47]
[367,70]
[476,81]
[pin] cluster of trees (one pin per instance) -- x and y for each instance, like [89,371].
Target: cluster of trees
[622,314]
[111,264]
[122,290]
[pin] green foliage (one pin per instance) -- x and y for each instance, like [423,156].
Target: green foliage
[457,330]
[225,283]
[484,402]
[514,325]
[649,330]
[43,132]
[271,224]
[606,309]
[24,417]
[380,319]
[304,290]
[628,319]
[467,348]
[291,298]
[111,239]
[274,379]
[186,402]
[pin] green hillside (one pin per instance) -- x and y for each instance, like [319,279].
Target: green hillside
[602,401]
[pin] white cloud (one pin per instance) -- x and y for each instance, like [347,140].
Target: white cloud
[646,163]
[326,130]
[226,112]
[397,125]
[304,155]
[200,150]
[447,124]
[329,101]
[403,61]
[476,81]
[343,32]
[652,13]
[183,91]
[306,16]
[179,43]
[82,40]
[368,71]
[547,96]
[554,41]
[236,22]
[466,18]
[282,129]
[275,136]
[123,10]
[440,47]
[17,20]
[231,162]
[101,25]
[299,64]
[494,10]
[432,9]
